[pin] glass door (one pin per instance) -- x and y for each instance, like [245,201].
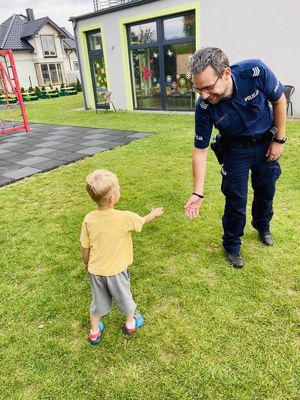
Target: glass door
[97,65]
[179,91]
[146,87]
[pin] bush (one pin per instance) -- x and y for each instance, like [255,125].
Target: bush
[62,86]
[30,89]
[22,90]
[78,86]
[37,91]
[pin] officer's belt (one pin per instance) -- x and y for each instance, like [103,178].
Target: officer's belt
[246,141]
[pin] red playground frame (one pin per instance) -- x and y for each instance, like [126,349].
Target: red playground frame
[6,83]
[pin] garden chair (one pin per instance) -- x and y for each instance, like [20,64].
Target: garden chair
[288,91]
[104,100]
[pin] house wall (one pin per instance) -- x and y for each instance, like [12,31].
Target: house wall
[25,69]
[263,29]
[25,61]
[113,28]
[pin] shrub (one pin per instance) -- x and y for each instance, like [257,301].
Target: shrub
[78,86]
[37,91]
[30,89]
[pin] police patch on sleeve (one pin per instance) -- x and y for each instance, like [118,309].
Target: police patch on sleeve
[204,105]
[256,71]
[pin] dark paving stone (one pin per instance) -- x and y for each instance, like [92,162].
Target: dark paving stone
[91,150]
[40,152]
[9,167]
[92,143]
[123,140]
[22,172]
[3,151]
[96,136]
[8,145]
[72,147]
[49,146]
[23,148]
[70,157]
[46,165]
[12,156]
[33,160]
[111,145]
[139,135]
[5,181]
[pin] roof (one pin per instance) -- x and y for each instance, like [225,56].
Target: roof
[15,31]
[69,43]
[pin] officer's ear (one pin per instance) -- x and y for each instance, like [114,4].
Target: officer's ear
[227,73]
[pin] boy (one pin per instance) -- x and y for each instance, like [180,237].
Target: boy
[107,252]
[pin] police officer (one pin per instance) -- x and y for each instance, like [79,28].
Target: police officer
[236,100]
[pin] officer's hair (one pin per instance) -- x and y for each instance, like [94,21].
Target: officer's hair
[208,56]
[99,185]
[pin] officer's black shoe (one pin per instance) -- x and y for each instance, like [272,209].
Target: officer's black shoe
[266,238]
[235,259]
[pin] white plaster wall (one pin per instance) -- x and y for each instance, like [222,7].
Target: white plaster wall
[264,29]
[25,69]
[113,60]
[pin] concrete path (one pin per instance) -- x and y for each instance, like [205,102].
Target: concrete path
[49,146]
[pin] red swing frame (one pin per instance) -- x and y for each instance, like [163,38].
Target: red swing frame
[15,89]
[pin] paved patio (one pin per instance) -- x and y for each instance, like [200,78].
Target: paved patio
[49,146]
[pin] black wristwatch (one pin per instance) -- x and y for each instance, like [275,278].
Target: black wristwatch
[280,141]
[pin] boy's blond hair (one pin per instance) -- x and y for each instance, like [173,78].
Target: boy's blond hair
[99,184]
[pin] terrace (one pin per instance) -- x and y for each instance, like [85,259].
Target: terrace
[100,5]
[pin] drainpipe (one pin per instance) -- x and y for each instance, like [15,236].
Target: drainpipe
[74,23]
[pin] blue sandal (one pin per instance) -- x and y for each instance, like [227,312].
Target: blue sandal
[95,338]
[139,321]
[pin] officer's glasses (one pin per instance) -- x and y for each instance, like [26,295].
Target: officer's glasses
[208,89]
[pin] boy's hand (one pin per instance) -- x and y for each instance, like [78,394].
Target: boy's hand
[156,212]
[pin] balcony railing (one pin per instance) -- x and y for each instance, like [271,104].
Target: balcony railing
[103,4]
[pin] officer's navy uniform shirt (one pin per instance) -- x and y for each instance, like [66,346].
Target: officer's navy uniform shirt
[246,112]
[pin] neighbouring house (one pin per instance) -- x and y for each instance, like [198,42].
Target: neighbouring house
[139,49]
[44,53]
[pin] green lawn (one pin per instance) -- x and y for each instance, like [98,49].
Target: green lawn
[211,332]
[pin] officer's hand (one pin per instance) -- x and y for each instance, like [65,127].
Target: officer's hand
[275,151]
[192,206]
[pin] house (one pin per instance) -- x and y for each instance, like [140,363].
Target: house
[139,49]
[44,53]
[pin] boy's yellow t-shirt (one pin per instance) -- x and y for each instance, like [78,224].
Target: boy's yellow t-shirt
[107,233]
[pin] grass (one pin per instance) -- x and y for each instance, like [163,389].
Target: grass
[211,332]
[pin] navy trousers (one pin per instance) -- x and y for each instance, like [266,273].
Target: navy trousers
[238,162]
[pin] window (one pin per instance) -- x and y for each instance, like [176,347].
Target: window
[179,27]
[48,45]
[76,66]
[49,74]
[159,52]
[143,33]
[95,42]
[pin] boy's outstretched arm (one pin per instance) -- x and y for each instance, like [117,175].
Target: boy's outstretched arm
[156,212]
[85,255]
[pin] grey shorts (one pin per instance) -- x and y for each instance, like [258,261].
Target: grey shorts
[107,288]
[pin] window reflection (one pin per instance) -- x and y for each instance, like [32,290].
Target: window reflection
[143,33]
[179,27]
